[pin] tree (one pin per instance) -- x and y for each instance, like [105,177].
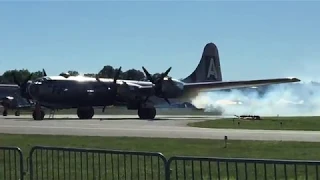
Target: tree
[21,75]
[133,74]
[90,75]
[106,72]
[37,74]
[73,73]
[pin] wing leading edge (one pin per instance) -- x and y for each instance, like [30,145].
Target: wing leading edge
[218,85]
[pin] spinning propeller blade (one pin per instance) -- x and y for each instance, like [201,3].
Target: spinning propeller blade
[44,72]
[114,87]
[23,85]
[157,81]
[116,76]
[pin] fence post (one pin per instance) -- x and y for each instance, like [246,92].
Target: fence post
[167,171]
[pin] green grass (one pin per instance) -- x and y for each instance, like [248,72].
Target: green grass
[267,123]
[169,147]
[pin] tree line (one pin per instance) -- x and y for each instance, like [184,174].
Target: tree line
[106,72]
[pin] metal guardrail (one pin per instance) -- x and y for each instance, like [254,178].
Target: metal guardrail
[11,163]
[77,163]
[183,167]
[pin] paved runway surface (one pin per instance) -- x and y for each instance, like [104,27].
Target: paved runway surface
[170,126]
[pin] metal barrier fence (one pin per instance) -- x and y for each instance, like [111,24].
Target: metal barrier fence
[11,163]
[240,168]
[75,163]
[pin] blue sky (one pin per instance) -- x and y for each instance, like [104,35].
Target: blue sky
[255,39]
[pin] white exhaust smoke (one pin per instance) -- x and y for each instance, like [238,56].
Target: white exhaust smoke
[293,99]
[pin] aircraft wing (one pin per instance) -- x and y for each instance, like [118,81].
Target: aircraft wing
[9,85]
[218,85]
[10,93]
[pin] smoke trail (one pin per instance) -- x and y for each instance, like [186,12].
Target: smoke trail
[293,99]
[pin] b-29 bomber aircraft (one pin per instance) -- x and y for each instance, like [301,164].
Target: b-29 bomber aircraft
[84,93]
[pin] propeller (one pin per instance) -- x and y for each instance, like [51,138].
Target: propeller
[157,81]
[113,87]
[22,85]
[44,72]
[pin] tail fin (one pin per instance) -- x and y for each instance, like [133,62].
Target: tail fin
[208,69]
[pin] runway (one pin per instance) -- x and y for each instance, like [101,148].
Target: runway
[170,126]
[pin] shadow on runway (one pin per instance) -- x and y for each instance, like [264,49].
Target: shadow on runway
[93,119]
[112,118]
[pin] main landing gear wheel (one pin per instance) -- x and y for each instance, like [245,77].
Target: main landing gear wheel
[37,116]
[17,113]
[147,113]
[85,113]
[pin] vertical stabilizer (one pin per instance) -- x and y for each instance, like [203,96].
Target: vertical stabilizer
[208,69]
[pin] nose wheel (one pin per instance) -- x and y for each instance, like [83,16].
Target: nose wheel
[5,112]
[5,109]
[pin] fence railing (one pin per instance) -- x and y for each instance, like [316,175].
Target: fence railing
[11,163]
[240,168]
[77,163]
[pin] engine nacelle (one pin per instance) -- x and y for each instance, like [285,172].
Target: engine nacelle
[127,90]
[7,101]
[172,88]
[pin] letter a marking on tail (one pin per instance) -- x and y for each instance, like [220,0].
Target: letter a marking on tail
[212,68]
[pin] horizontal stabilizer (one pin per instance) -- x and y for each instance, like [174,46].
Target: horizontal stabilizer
[218,85]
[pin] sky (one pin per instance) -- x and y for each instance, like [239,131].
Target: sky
[255,39]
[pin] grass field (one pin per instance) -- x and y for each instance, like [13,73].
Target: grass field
[169,147]
[267,123]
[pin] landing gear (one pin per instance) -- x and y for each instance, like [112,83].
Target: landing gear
[17,113]
[5,112]
[5,109]
[38,114]
[85,112]
[147,112]
[52,112]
